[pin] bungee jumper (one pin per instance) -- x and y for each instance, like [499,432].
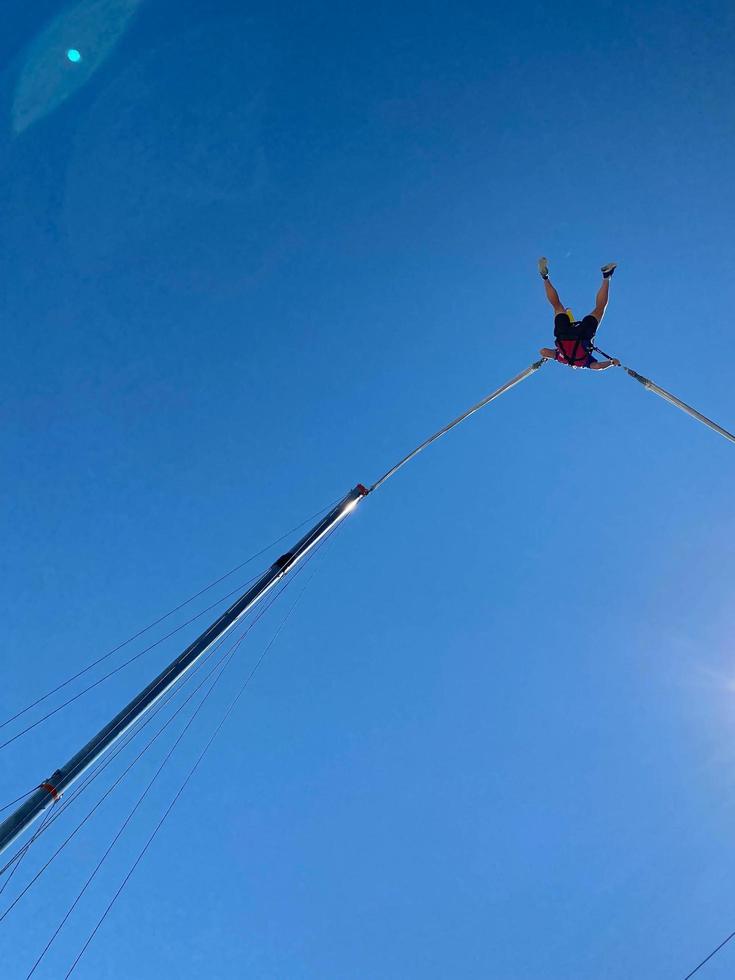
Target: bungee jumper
[575,338]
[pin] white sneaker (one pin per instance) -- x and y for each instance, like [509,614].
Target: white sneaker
[543,267]
[607,270]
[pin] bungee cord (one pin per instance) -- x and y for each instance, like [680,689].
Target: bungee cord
[678,403]
[671,399]
[460,418]
[646,382]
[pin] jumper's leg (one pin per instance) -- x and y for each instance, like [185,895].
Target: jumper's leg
[553,297]
[603,294]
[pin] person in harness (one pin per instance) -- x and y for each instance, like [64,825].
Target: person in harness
[575,338]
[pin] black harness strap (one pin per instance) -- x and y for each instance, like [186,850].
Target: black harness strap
[601,352]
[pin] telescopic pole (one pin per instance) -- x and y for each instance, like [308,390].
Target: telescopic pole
[51,789]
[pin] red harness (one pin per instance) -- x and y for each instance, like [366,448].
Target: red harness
[575,353]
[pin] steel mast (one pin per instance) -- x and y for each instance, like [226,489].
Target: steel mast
[51,789]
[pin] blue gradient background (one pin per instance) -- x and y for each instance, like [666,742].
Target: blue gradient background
[251,259]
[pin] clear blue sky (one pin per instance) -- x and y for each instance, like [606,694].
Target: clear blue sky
[250,259]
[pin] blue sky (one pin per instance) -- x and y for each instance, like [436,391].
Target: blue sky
[250,259]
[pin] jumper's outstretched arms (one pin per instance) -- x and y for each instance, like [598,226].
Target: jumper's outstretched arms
[604,365]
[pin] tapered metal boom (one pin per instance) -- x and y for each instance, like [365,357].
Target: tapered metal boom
[678,403]
[51,789]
